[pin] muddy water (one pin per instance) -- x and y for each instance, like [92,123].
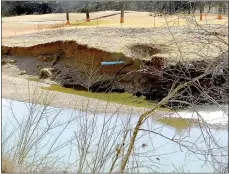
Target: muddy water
[152,152]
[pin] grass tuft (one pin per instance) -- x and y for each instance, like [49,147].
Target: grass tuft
[7,166]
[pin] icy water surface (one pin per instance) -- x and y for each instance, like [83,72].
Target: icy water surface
[153,151]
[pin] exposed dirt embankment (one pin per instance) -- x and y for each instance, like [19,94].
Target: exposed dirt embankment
[74,55]
[79,66]
[72,64]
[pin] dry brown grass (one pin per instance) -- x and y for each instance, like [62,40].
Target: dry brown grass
[132,19]
[7,165]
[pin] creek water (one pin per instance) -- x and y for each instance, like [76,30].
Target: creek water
[153,151]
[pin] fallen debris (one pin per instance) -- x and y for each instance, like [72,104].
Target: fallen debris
[5,61]
[22,73]
[46,72]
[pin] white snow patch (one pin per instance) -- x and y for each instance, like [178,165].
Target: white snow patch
[209,114]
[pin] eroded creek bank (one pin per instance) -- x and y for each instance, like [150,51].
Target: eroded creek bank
[77,66]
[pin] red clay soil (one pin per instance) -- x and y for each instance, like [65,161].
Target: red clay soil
[76,55]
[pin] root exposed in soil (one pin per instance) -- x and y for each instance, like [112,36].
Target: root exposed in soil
[212,88]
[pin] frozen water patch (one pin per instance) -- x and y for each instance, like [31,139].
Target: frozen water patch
[170,154]
[209,114]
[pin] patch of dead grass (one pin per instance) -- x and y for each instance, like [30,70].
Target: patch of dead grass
[7,165]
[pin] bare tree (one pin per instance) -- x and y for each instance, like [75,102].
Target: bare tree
[67,17]
[87,12]
[201,10]
[174,91]
[122,12]
[66,7]
[220,10]
[30,141]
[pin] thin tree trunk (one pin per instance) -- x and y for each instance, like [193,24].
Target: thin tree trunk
[189,8]
[87,12]
[170,7]
[201,11]
[131,145]
[194,7]
[220,10]
[209,7]
[122,12]
[145,115]
[67,17]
